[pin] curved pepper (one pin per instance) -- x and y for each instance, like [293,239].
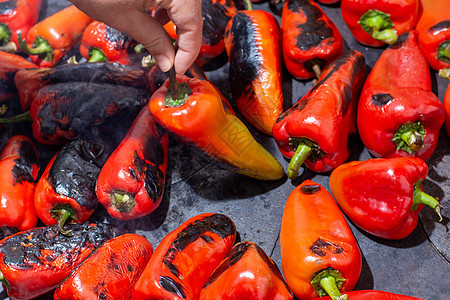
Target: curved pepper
[246,273]
[255,77]
[433,30]
[131,183]
[18,174]
[310,39]
[383,196]
[49,40]
[186,258]
[16,17]
[36,261]
[101,42]
[198,117]
[447,109]
[110,272]
[398,114]
[319,254]
[318,129]
[379,22]
[371,294]
[328,1]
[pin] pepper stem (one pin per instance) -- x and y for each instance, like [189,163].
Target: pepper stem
[62,213]
[445,73]
[176,94]
[409,137]
[17,118]
[10,47]
[248,5]
[40,47]
[96,55]
[443,51]
[123,202]
[379,25]
[5,34]
[328,283]
[303,149]
[317,70]
[420,197]
[4,281]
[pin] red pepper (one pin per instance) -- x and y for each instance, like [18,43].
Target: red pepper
[103,43]
[447,109]
[110,272]
[16,17]
[49,40]
[18,174]
[36,261]
[131,183]
[318,129]
[310,39]
[186,258]
[255,77]
[370,295]
[246,273]
[328,1]
[319,254]
[398,114]
[383,196]
[379,22]
[433,28]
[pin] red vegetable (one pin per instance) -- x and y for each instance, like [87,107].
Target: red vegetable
[371,295]
[447,109]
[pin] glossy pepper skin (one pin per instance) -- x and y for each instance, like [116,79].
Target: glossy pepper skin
[383,196]
[433,29]
[17,17]
[110,272]
[201,121]
[246,273]
[318,251]
[18,174]
[36,261]
[319,128]
[101,42]
[398,114]
[447,109]
[309,38]
[255,78]
[371,294]
[131,182]
[328,1]
[49,40]
[379,22]
[185,258]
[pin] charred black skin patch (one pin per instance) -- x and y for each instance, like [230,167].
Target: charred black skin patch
[23,168]
[8,7]
[215,21]
[24,250]
[321,247]
[313,31]
[116,36]
[310,189]
[171,286]
[381,99]
[439,26]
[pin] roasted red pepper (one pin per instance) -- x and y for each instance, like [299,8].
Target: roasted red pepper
[379,22]
[49,40]
[328,1]
[131,183]
[36,261]
[16,17]
[433,30]
[371,294]
[398,114]
[318,129]
[18,174]
[186,258]
[255,77]
[246,273]
[447,109]
[383,196]
[319,254]
[101,42]
[310,39]
[110,272]
[197,116]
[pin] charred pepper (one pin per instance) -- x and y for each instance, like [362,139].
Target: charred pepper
[447,109]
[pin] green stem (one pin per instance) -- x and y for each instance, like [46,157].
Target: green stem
[420,197]
[5,33]
[443,51]
[63,214]
[123,202]
[379,25]
[328,283]
[301,154]
[4,281]
[409,137]
[17,118]
[248,4]
[177,94]
[139,48]
[96,55]
[40,47]
[445,73]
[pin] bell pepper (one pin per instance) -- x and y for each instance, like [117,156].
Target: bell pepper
[319,254]
[49,40]
[16,17]
[328,1]
[18,174]
[398,114]
[131,183]
[379,22]
[110,272]
[194,112]
[319,128]
[101,42]
[36,261]
[433,29]
[383,196]
[310,39]
[246,273]
[255,77]
[447,109]
[371,294]
[185,258]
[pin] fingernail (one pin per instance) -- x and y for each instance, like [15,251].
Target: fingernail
[163,63]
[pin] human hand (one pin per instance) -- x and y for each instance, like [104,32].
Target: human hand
[131,17]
